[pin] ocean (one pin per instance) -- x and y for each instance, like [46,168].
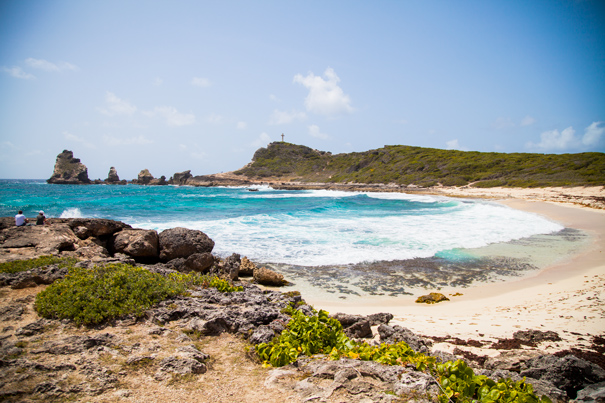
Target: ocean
[342,244]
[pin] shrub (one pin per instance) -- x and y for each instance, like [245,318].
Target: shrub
[28,264]
[91,296]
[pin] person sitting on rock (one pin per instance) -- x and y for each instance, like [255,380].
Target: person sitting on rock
[40,218]
[20,219]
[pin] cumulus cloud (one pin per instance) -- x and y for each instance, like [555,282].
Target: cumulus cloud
[315,132]
[454,145]
[242,125]
[527,121]
[45,65]
[18,72]
[284,117]
[126,141]
[172,116]
[262,140]
[201,82]
[116,106]
[72,137]
[593,133]
[555,140]
[214,118]
[325,95]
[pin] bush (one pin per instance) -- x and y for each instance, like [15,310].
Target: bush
[42,261]
[91,296]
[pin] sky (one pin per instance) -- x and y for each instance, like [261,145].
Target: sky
[200,85]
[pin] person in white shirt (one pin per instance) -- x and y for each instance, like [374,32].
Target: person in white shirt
[20,219]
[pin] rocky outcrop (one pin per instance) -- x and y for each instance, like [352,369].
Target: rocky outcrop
[182,242]
[137,243]
[144,177]
[180,178]
[69,170]
[268,277]
[112,177]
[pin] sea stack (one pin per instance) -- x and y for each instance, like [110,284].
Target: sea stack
[112,176]
[69,170]
[145,177]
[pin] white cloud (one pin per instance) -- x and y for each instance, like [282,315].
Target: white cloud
[527,121]
[116,106]
[242,125]
[261,141]
[593,133]
[454,145]
[45,65]
[555,140]
[283,117]
[274,98]
[314,132]
[201,82]
[325,96]
[172,116]
[123,141]
[214,118]
[72,137]
[18,72]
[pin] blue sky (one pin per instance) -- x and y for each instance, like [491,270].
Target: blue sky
[200,85]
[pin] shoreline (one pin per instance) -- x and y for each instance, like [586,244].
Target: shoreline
[566,297]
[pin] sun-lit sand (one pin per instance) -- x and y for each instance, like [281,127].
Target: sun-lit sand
[567,297]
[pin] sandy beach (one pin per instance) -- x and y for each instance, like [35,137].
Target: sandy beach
[567,297]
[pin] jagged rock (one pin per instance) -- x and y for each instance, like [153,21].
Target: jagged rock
[137,243]
[144,177]
[69,170]
[380,318]
[183,242]
[592,394]
[76,344]
[536,336]
[158,181]
[514,360]
[180,178]
[246,267]
[346,319]
[262,334]
[179,365]
[92,227]
[112,176]
[360,330]
[265,276]
[229,268]
[198,262]
[432,298]
[11,312]
[395,334]
[33,277]
[568,373]
[32,328]
[46,239]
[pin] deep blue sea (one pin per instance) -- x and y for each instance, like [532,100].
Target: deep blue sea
[329,233]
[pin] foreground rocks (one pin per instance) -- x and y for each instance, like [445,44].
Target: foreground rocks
[170,349]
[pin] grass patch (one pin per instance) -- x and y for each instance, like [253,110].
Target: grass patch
[92,296]
[17,266]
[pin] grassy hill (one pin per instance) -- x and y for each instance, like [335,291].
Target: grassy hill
[405,165]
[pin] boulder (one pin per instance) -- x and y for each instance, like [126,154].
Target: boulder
[182,242]
[198,262]
[395,334]
[568,373]
[144,177]
[69,170]
[45,239]
[137,243]
[112,177]
[535,336]
[265,276]
[432,298]
[246,268]
[180,178]
[92,227]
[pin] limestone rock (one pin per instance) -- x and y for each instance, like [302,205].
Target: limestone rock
[265,276]
[395,334]
[137,243]
[432,298]
[246,267]
[198,262]
[112,177]
[144,177]
[180,178]
[69,170]
[46,239]
[182,242]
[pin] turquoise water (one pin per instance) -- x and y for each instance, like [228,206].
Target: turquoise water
[328,233]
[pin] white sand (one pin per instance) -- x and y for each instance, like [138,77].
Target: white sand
[567,298]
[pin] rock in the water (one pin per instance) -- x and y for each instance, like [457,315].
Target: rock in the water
[137,243]
[432,298]
[69,170]
[180,178]
[182,242]
[112,177]
[265,276]
[144,177]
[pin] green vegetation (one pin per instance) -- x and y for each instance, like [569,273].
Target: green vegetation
[42,261]
[320,334]
[91,296]
[405,165]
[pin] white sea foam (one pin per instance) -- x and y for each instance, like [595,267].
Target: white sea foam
[306,238]
[72,212]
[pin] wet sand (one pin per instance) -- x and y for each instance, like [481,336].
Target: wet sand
[567,297]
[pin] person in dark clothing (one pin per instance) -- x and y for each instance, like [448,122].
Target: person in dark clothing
[40,218]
